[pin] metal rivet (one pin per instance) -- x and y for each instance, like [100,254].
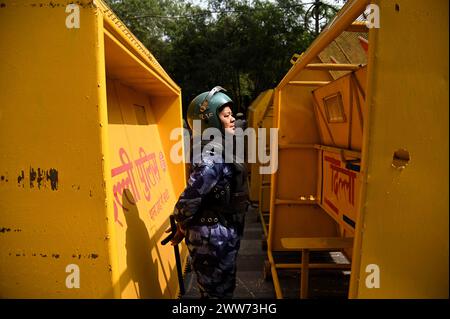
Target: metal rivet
[209,219]
[216,220]
[202,219]
[217,196]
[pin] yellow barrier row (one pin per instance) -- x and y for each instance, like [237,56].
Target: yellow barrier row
[363,163]
[87,182]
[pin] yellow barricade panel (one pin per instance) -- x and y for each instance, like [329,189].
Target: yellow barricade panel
[340,189]
[340,111]
[143,194]
[259,117]
[53,203]
[403,240]
[87,182]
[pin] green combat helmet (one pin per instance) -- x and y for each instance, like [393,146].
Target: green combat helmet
[205,107]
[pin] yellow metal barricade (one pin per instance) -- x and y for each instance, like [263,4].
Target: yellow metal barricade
[362,162]
[401,238]
[87,180]
[261,116]
[264,179]
[257,113]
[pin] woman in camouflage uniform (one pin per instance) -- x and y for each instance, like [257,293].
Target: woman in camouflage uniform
[210,212]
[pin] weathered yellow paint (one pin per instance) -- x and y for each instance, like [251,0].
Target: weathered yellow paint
[69,107]
[404,213]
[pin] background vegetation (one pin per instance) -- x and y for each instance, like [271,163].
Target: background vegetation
[244,46]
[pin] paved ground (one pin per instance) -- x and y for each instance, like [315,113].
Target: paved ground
[250,271]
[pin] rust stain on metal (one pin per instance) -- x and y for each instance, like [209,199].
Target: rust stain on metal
[32,177]
[52,176]
[7,229]
[53,255]
[20,179]
[2,5]
[40,177]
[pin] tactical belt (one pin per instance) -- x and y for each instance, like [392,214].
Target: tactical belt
[226,214]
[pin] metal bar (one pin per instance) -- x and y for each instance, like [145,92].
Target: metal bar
[293,146]
[295,202]
[309,83]
[260,208]
[338,150]
[319,176]
[274,182]
[276,281]
[317,242]
[358,104]
[350,120]
[358,26]
[177,259]
[173,227]
[333,66]
[317,118]
[263,222]
[346,16]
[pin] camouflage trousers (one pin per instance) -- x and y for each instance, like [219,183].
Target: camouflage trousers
[213,251]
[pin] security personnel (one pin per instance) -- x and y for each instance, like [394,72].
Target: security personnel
[210,212]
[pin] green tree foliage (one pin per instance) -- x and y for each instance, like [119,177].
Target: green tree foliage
[244,46]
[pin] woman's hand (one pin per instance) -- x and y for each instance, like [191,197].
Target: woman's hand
[179,235]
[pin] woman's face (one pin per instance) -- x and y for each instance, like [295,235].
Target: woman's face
[227,119]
